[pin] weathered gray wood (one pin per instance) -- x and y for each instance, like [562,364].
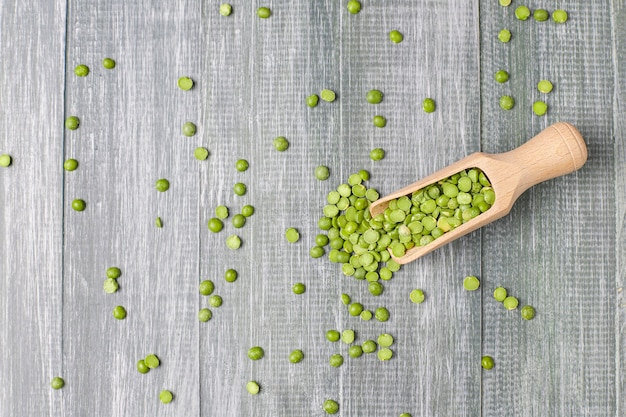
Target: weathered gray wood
[31,215]
[618,14]
[129,137]
[555,250]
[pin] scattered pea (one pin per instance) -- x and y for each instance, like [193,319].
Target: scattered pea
[507,102]
[374,96]
[471,283]
[336,360]
[504,35]
[316,252]
[417,296]
[381,314]
[292,235]
[215,301]
[215,225]
[365,176]
[355,309]
[158,222]
[255,353]
[322,173]
[377,154]
[189,129]
[540,108]
[142,367]
[354,6]
[369,346]
[379,121]
[505,3]
[522,13]
[231,275]
[559,16]
[544,86]
[428,105]
[384,354]
[333,335]
[152,361]
[57,382]
[108,63]
[385,340]
[242,165]
[312,100]
[395,36]
[226,9]
[487,362]
[541,15]
[233,242]
[162,185]
[81,70]
[328,95]
[331,406]
[527,312]
[502,76]
[281,144]
[119,312]
[510,303]
[166,396]
[263,12]
[345,299]
[296,356]
[405,415]
[240,189]
[186,84]
[113,272]
[347,337]
[69,165]
[375,288]
[247,210]
[239,220]
[499,294]
[204,315]
[6,160]
[110,286]
[221,212]
[298,288]
[253,388]
[366,315]
[72,122]
[79,205]
[206,287]
[201,153]
[355,351]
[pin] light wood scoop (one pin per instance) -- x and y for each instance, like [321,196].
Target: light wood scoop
[557,150]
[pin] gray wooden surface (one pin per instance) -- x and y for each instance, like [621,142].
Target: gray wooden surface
[561,249]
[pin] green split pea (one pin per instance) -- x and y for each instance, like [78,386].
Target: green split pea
[331,406]
[354,6]
[5,160]
[263,12]
[504,35]
[395,36]
[185,83]
[522,13]
[81,70]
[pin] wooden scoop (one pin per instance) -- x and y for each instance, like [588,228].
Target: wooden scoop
[557,150]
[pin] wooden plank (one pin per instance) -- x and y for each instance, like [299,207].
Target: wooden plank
[555,250]
[618,15]
[259,78]
[31,216]
[435,372]
[129,137]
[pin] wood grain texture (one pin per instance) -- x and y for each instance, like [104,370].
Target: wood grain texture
[129,137]
[31,202]
[555,250]
[618,20]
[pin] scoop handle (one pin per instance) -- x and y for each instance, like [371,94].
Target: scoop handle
[557,150]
